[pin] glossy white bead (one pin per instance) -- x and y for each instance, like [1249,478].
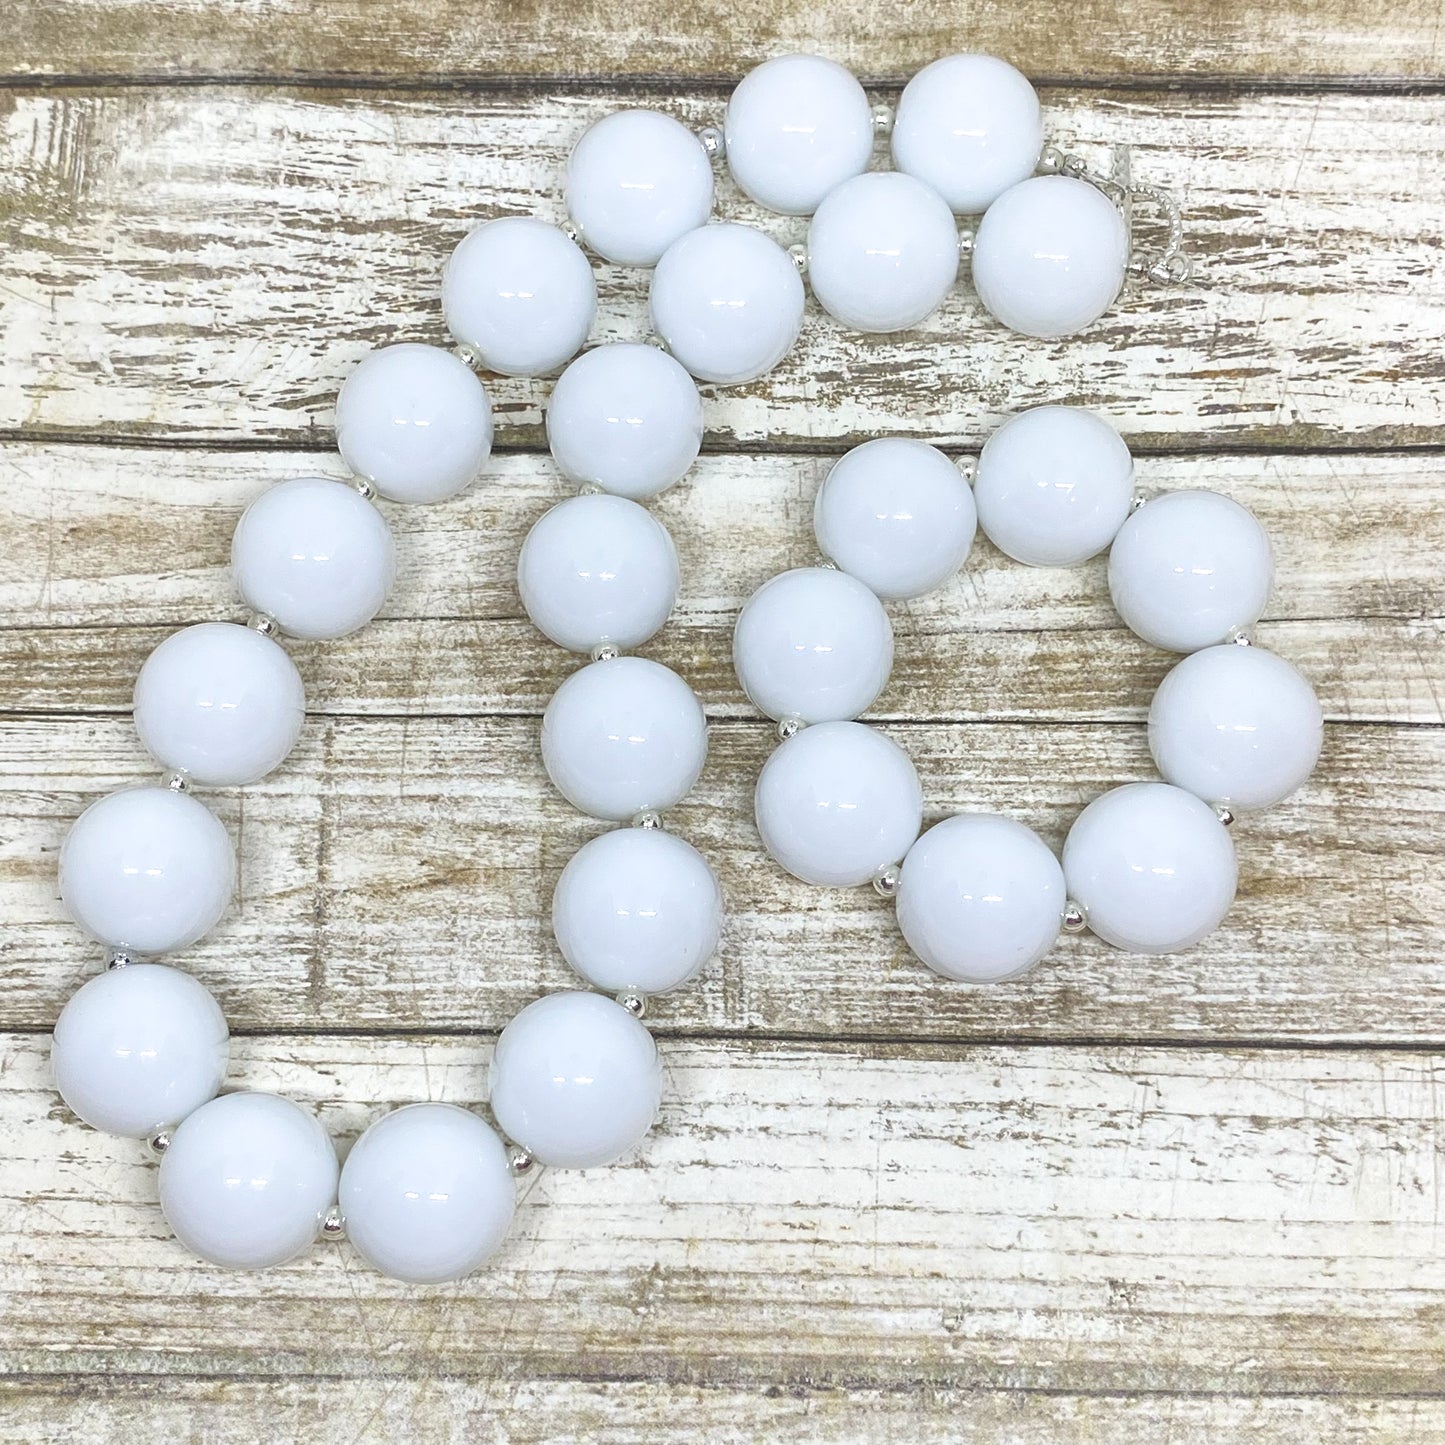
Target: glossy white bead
[576,1080]
[882,252]
[727,302]
[1189,568]
[598,569]
[623,737]
[796,127]
[637,910]
[626,418]
[813,644]
[1054,486]
[315,555]
[1152,867]
[897,515]
[219,702]
[1049,256]
[980,898]
[148,870]
[970,127]
[426,1193]
[415,422]
[636,181]
[1236,725]
[138,1048]
[522,293]
[836,802]
[247,1180]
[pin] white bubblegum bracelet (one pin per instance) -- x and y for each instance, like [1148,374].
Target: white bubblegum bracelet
[428,1192]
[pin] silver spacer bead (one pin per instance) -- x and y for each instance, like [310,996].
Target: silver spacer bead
[333,1224]
[799,252]
[605,652]
[590,489]
[634,1003]
[968,469]
[712,140]
[364,488]
[519,1161]
[1136,502]
[789,727]
[1051,161]
[1075,919]
[887,879]
[159,1142]
[178,782]
[571,230]
[647,818]
[966,236]
[1240,637]
[468,354]
[262,622]
[1225,815]
[883,119]
[118,958]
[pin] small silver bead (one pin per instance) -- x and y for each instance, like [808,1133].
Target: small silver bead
[519,1161]
[883,119]
[118,958]
[966,237]
[1075,919]
[159,1142]
[790,727]
[799,252]
[590,489]
[333,1226]
[968,469]
[1051,160]
[571,230]
[634,1003]
[827,564]
[261,622]
[1240,637]
[1225,815]
[178,782]
[1136,501]
[711,138]
[364,488]
[468,354]
[647,818]
[605,652]
[887,879]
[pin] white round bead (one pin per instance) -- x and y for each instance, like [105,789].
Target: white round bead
[1054,486]
[426,1193]
[623,737]
[796,127]
[980,898]
[896,514]
[315,555]
[637,910]
[1049,256]
[219,702]
[415,422]
[138,1048]
[1190,568]
[814,644]
[882,252]
[247,1180]
[836,802]
[969,126]
[1152,867]
[149,870]
[626,418]
[636,181]
[728,302]
[1236,725]
[598,569]
[522,293]
[576,1080]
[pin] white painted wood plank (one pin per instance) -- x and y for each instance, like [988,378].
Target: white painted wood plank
[209,263]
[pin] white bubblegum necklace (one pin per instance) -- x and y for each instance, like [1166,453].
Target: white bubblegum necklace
[428,1192]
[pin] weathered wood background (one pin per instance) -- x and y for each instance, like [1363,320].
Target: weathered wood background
[1167,1200]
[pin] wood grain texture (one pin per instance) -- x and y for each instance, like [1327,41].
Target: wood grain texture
[204,263]
[1229,1221]
[551,39]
